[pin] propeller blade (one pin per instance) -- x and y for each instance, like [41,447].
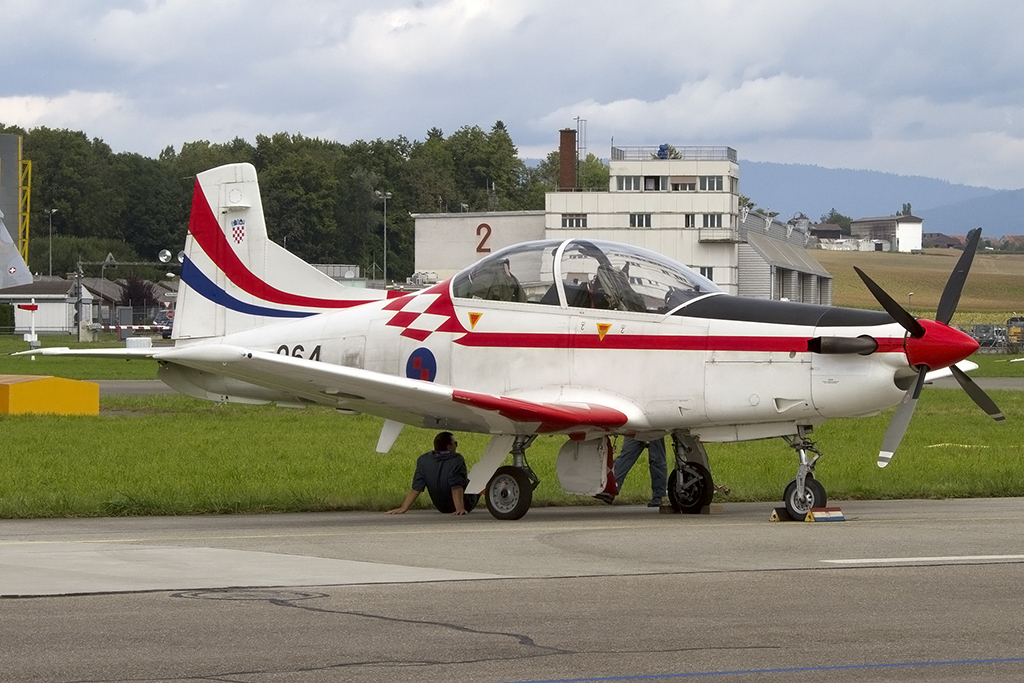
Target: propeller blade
[955,285]
[900,421]
[978,394]
[898,313]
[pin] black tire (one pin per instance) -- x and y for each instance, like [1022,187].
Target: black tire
[693,490]
[814,497]
[509,493]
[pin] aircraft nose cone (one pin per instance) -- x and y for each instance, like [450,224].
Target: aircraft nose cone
[940,347]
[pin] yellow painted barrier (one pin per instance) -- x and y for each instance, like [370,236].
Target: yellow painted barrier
[20,394]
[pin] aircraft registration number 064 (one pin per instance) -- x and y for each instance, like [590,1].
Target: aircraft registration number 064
[297,351]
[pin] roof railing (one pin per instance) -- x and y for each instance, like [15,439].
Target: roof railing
[669,152]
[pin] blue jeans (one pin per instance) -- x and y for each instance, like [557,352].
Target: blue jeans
[631,450]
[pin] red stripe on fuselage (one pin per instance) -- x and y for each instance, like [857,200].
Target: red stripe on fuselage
[651,342]
[206,230]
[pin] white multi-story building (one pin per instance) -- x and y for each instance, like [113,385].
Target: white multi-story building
[682,202]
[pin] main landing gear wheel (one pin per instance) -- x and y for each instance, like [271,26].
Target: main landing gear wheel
[814,497]
[509,493]
[690,488]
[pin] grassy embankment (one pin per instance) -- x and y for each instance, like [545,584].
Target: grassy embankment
[175,455]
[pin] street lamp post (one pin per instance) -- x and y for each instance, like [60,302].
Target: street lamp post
[51,212]
[385,196]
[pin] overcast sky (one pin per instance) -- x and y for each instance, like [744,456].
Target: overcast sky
[912,87]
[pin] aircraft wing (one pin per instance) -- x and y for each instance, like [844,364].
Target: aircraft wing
[404,400]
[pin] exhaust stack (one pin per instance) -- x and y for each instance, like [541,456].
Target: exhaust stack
[567,160]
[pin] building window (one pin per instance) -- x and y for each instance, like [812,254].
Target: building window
[628,183]
[712,220]
[689,220]
[574,220]
[708,272]
[683,183]
[710,183]
[654,183]
[639,220]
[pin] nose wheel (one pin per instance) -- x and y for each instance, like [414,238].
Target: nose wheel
[804,492]
[798,505]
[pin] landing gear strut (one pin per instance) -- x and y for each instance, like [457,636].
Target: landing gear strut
[510,491]
[690,487]
[804,492]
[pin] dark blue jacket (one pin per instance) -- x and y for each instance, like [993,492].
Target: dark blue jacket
[439,472]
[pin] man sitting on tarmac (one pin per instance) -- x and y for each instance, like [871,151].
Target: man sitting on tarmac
[442,472]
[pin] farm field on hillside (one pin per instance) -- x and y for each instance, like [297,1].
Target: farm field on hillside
[994,290]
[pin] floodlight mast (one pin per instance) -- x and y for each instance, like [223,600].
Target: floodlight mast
[51,212]
[385,196]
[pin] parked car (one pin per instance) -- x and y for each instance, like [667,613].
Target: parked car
[165,319]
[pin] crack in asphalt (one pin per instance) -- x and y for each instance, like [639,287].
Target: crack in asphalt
[523,639]
[291,598]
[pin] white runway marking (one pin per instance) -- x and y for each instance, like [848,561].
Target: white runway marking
[63,568]
[947,558]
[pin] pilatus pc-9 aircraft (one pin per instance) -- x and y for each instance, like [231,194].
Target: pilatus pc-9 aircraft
[575,337]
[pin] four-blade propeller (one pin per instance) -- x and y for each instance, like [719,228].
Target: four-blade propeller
[932,345]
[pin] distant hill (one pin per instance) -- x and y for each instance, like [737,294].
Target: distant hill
[945,207]
[814,191]
[998,214]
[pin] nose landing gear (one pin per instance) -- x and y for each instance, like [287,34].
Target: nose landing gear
[804,491]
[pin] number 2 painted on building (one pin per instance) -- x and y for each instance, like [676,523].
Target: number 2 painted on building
[481,247]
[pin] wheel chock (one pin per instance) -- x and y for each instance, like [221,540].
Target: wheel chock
[781,515]
[825,515]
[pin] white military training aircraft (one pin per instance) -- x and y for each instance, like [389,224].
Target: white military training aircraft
[13,269]
[575,337]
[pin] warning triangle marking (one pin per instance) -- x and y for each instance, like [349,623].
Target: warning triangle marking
[473,318]
[602,330]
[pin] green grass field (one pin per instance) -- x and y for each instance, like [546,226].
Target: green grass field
[173,455]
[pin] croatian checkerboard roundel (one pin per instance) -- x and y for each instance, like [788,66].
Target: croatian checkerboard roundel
[421,365]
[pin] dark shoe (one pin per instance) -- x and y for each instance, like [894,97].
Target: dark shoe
[655,502]
[606,498]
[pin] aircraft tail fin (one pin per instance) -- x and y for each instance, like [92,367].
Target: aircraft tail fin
[13,269]
[233,278]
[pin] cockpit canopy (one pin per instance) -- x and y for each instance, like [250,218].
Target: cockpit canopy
[583,273]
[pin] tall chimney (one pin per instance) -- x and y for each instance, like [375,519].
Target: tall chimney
[567,160]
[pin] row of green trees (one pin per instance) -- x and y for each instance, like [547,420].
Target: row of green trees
[319,196]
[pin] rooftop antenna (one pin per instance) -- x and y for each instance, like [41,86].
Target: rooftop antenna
[581,145]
